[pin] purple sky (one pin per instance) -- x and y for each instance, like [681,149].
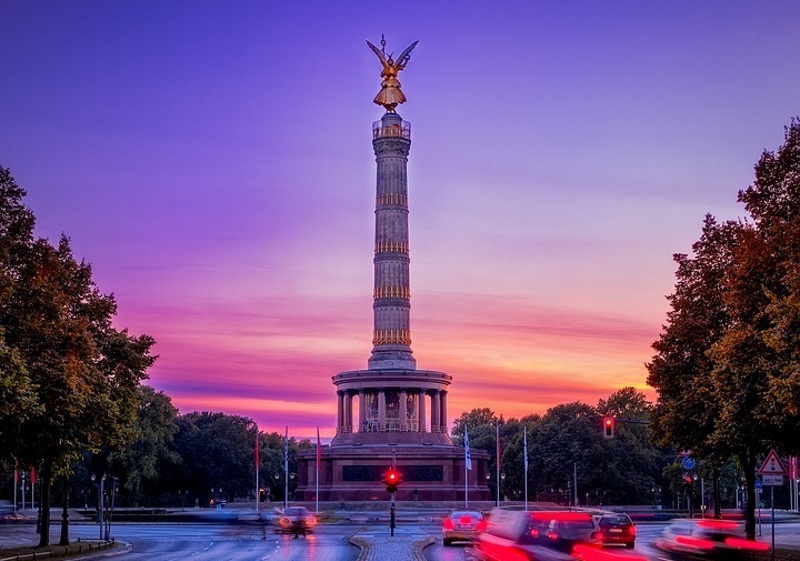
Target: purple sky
[213,161]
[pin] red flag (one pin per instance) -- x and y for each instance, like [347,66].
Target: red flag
[33,476]
[319,451]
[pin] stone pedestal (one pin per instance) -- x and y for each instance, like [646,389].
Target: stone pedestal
[429,473]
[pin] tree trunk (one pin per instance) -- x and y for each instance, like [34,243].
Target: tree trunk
[47,478]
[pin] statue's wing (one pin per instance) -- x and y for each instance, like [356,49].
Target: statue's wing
[404,56]
[378,52]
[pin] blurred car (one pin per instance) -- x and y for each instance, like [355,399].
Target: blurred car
[707,539]
[617,528]
[6,510]
[462,525]
[562,530]
[295,520]
[520,535]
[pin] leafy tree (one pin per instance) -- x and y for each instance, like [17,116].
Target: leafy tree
[512,454]
[218,453]
[566,438]
[17,393]
[688,403]
[477,419]
[150,454]
[726,367]
[17,397]
[272,472]
[640,471]
[84,371]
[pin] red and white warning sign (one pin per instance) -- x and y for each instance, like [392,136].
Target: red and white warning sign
[772,465]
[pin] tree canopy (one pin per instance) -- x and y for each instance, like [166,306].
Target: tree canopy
[726,364]
[72,372]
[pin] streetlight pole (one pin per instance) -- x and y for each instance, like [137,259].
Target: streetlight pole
[65,521]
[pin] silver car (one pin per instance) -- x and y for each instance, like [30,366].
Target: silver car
[462,525]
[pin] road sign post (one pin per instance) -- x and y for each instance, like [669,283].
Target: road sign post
[772,472]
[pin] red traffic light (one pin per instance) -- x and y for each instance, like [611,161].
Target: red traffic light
[392,479]
[608,427]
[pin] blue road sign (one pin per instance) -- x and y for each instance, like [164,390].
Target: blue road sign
[687,463]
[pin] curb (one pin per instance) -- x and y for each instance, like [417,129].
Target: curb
[398,547]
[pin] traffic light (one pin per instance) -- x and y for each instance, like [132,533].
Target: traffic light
[608,427]
[392,479]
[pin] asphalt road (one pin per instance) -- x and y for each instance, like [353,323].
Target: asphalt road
[243,542]
[212,542]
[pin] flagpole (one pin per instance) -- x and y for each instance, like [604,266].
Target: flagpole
[257,458]
[466,489]
[525,460]
[286,468]
[466,469]
[497,464]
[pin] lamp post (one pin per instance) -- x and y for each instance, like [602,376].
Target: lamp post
[280,478]
[488,484]
[114,487]
[100,500]
[64,538]
[22,487]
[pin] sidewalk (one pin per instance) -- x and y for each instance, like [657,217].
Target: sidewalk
[377,544]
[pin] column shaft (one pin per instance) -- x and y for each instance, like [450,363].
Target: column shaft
[422,420]
[443,421]
[403,411]
[435,414]
[362,413]
[381,410]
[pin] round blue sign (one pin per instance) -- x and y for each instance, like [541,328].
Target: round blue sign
[687,463]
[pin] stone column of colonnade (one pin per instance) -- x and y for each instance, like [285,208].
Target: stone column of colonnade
[362,410]
[339,411]
[438,411]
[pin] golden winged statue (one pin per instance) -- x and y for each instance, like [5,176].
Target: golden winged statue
[390,95]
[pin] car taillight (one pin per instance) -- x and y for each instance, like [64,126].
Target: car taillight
[502,552]
[698,543]
[552,535]
[589,553]
[632,530]
[285,522]
[482,525]
[447,524]
[750,545]
[534,532]
[311,521]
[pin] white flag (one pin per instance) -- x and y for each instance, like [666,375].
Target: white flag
[525,447]
[467,456]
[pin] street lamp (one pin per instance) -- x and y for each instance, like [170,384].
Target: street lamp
[100,500]
[110,512]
